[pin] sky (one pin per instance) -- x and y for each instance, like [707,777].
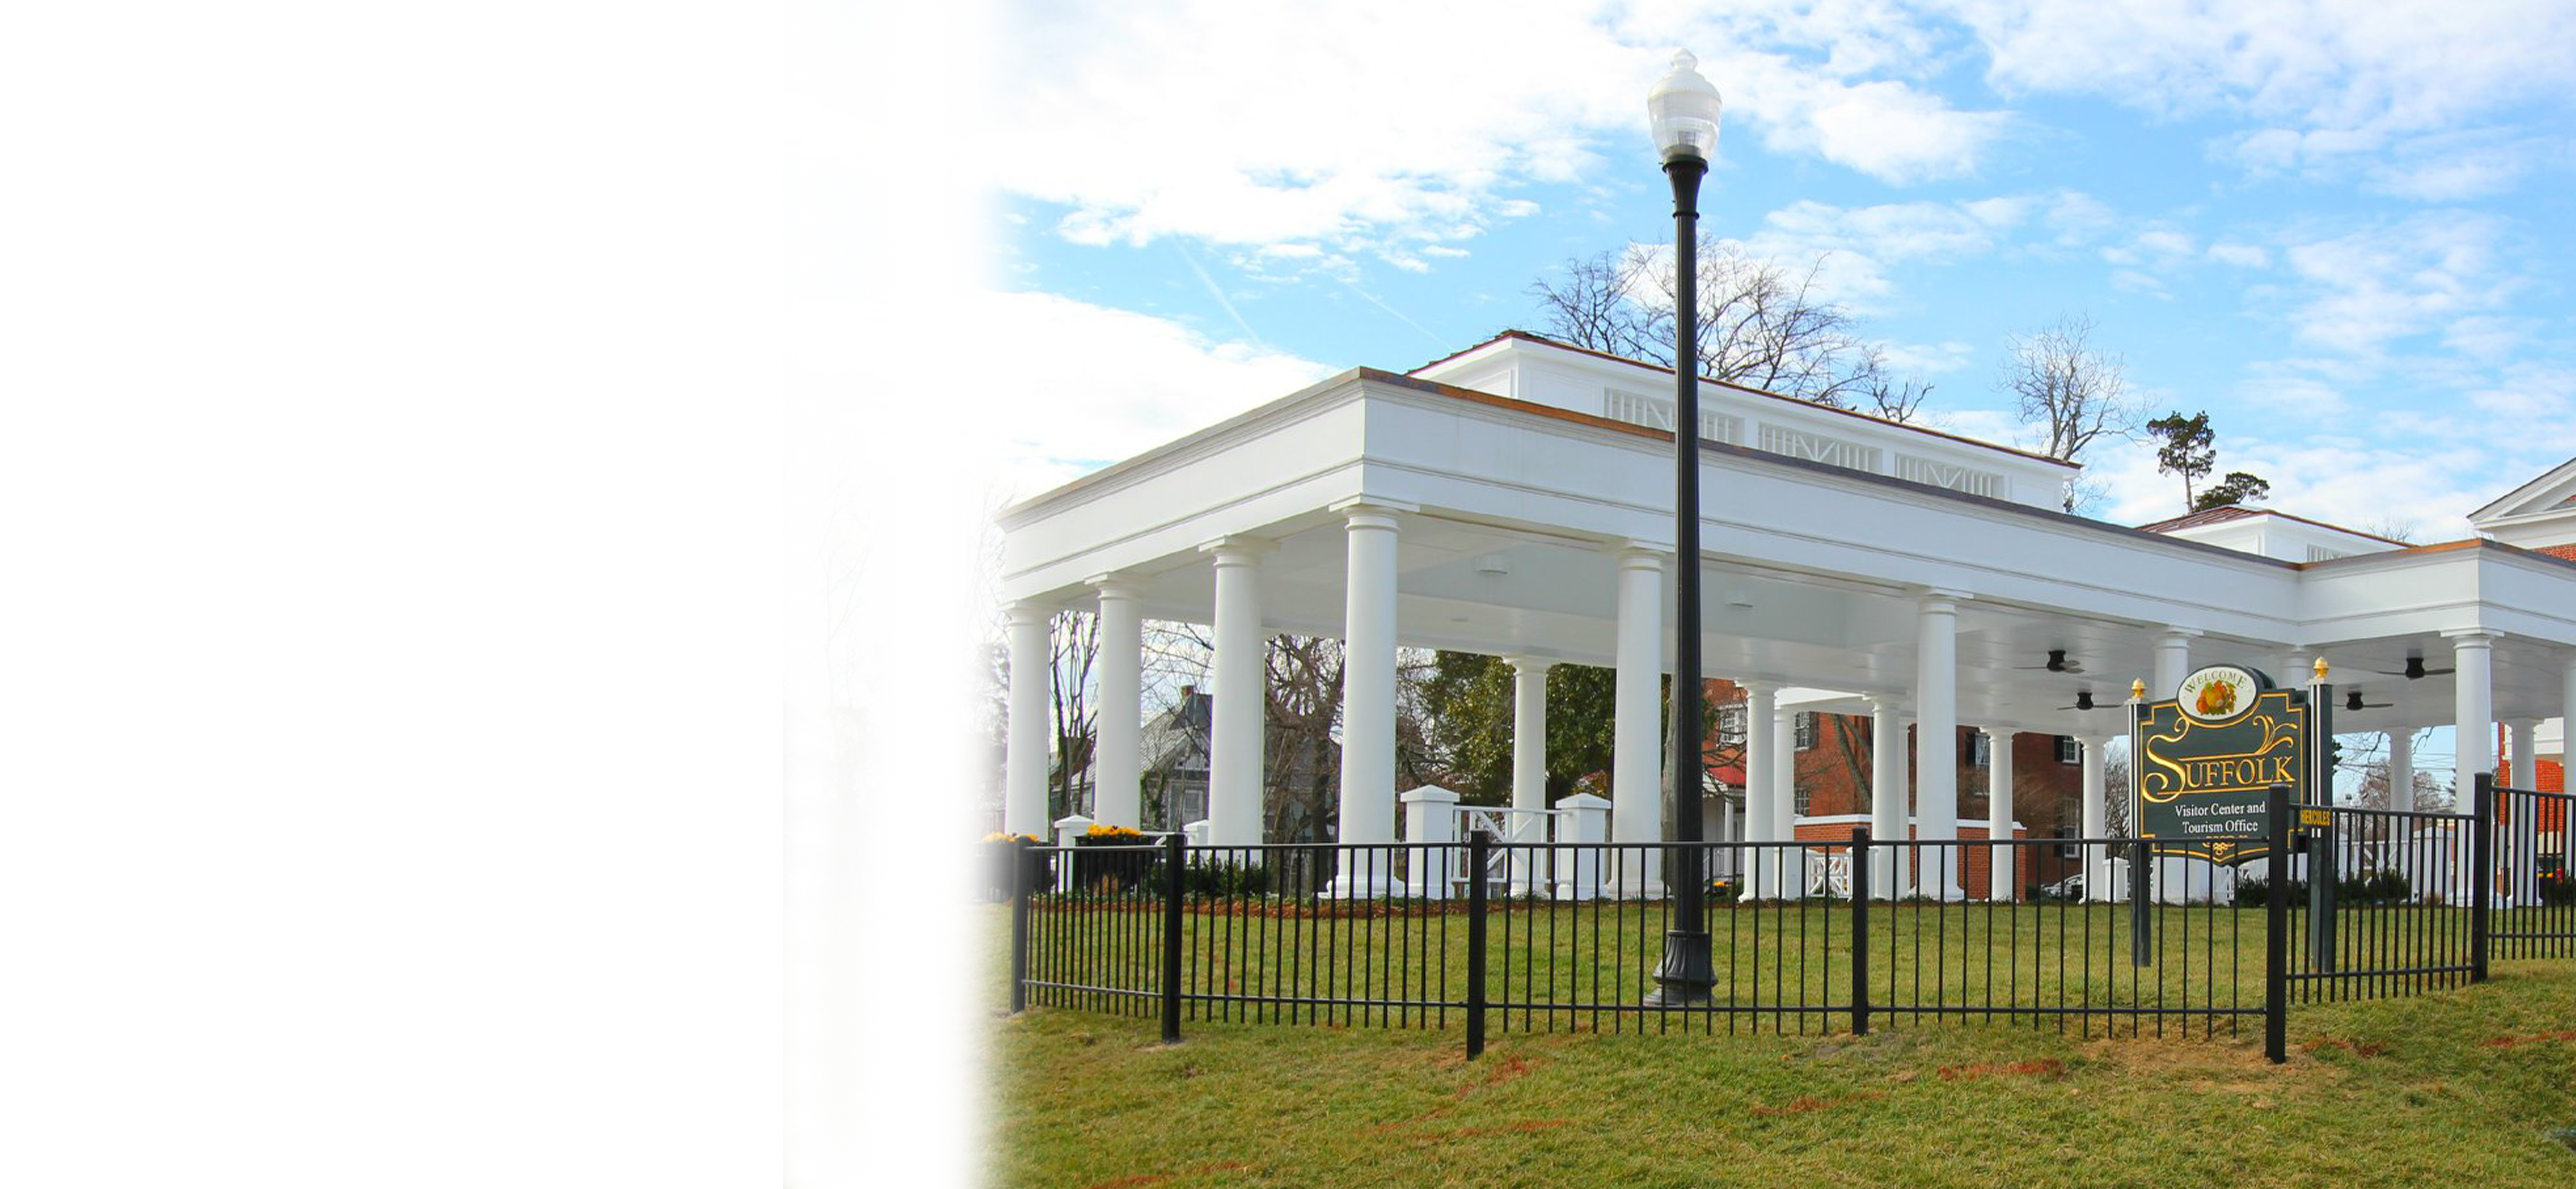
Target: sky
[2328,225]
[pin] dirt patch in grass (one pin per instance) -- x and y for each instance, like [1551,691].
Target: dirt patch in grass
[2508,1042]
[2358,1048]
[1497,1072]
[2049,1067]
[1795,1106]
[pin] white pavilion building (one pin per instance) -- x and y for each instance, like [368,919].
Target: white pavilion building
[1514,499]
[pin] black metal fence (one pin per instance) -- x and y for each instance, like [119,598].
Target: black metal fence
[1822,935]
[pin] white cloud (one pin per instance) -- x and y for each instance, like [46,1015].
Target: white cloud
[2240,255]
[1357,125]
[1926,359]
[2368,289]
[1115,384]
[1860,245]
[2329,481]
[2393,92]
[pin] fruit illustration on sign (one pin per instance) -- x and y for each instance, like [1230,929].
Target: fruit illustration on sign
[2217,697]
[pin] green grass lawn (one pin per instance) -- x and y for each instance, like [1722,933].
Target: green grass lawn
[2473,1085]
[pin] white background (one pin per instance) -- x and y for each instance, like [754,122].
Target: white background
[391,595]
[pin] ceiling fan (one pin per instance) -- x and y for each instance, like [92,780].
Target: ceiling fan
[2414,670]
[2057,663]
[2352,701]
[2083,701]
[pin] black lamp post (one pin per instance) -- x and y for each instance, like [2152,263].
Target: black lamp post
[1684,109]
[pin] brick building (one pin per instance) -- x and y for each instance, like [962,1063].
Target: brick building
[1834,757]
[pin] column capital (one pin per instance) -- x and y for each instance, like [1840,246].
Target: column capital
[1638,555]
[2472,637]
[1755,686]
[1939,599]
[1884,703]
[1364,511]
[1999,731]
[1115,586]
[1030,611]
[1236,549]
[1538,665]
[2170,632]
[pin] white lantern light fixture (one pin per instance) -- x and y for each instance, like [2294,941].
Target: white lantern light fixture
[1684,109]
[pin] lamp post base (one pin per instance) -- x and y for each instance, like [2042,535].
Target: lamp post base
[1685,977]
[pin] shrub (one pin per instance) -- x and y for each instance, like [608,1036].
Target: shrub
[1220,879]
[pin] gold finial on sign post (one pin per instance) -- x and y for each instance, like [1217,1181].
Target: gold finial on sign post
[2138,690]
[2321,670]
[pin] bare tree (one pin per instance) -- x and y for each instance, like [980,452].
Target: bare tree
[1073,643]
[1760,325]
[1299,792]
[2067,387]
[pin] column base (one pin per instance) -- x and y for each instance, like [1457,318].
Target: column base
[1686,976]
[1346,887]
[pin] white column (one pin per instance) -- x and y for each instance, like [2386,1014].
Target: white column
[2001,882]
[1637,737]
[2567,722]
[1886,790]
[1583,823]
[1117,756]
[1430,833]
[1529,765]
[1367,810]
[1024,754]
[1067,829]
[1788,864]
[2097,859]
[1936,741]
[2520,846]
[1757,785]
[1237,699]
[2401,769]
[2173,663]
[2473,718]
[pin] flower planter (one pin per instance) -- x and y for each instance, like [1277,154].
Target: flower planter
[1111,862]
[993,871]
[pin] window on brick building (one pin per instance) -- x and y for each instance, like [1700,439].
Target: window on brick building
[2068,752]
[1803,795]
[1978,755]
[1806,729]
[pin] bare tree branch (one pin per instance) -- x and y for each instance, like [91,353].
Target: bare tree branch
[1760,325]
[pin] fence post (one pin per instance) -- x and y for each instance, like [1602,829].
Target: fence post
[2323,873]
[1173,853]
[2141,929]
[1860,929]
[1479,848]
[2481,873]
[2276,928]
[1025,861]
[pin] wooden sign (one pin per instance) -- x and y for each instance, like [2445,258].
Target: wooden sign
[2204,763]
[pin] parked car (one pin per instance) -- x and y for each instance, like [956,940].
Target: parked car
[2069,888]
